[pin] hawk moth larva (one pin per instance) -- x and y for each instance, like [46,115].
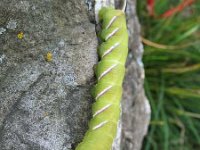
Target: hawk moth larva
[109,73]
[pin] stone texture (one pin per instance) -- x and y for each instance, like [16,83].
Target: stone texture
[135,106]
[46,105]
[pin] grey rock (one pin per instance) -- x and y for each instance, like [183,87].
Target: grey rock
[2,30]
[46,105]
[12,24]
[135,106]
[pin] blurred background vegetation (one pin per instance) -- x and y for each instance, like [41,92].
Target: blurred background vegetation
[171,37]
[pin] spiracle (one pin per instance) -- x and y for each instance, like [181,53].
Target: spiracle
[109,72]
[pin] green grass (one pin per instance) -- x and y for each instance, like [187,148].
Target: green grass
[172,82]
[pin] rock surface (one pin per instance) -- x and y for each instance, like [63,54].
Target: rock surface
[135,106]
[45,103]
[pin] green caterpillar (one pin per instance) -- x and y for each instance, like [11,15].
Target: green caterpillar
[109,73]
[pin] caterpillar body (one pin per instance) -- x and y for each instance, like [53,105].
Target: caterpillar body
[109,73]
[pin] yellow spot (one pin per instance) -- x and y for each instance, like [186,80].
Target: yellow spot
[20,35]
[46,114]
[49,56]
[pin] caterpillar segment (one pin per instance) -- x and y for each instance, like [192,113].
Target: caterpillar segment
[110,74]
